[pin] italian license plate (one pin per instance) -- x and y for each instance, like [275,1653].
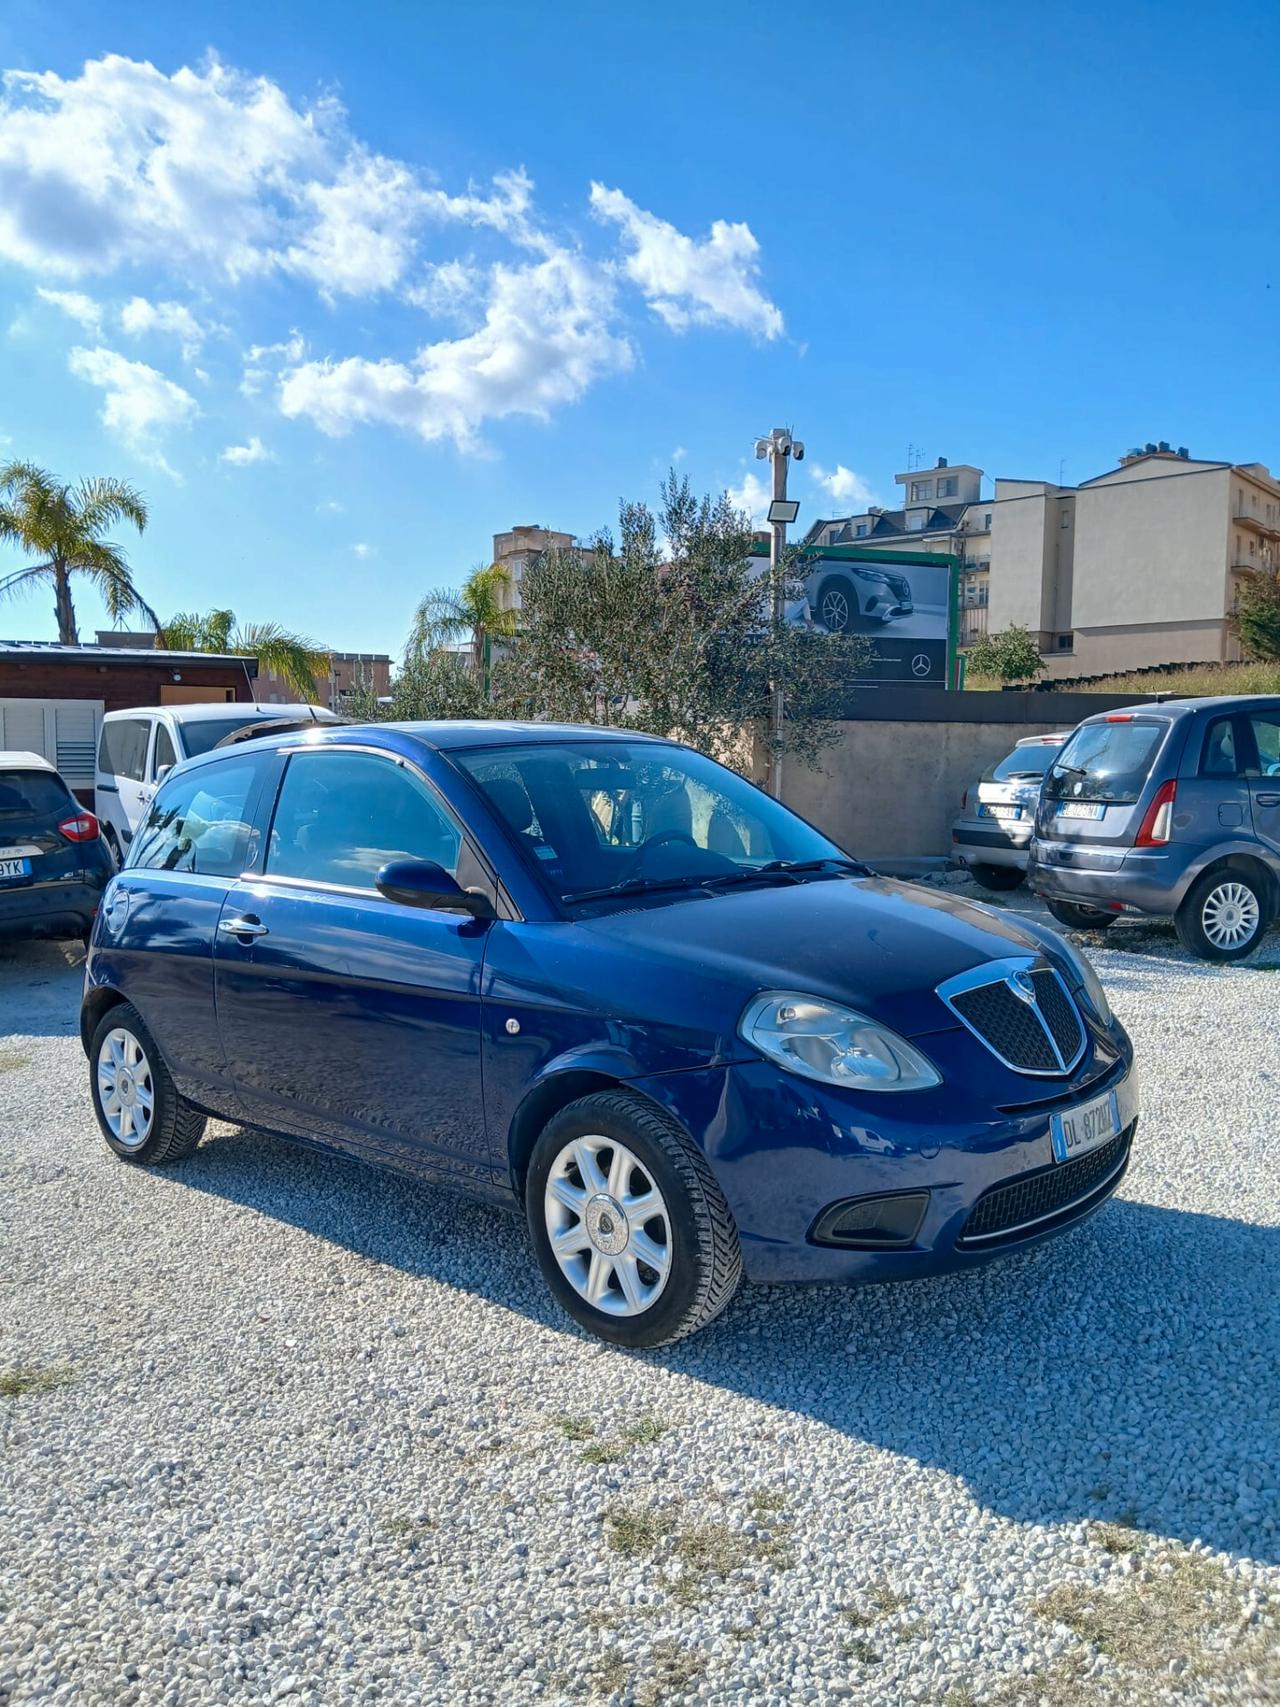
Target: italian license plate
[1082,809]
[999,811]
[1078,1130]
[13,870]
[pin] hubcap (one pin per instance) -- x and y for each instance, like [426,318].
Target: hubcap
[1230,915]
[835,612]
[125,1088]
[608,1226]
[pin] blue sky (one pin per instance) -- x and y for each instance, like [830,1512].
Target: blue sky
[332,284]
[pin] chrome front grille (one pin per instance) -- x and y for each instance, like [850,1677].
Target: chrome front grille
[1023,1013]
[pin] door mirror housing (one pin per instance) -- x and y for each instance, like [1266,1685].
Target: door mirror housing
[423,883]
[162,772]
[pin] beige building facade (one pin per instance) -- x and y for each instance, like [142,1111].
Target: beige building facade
[515,549]
[1137,567]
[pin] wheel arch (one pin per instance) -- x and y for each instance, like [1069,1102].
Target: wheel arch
[1245,865]
[545,1100]
[97,1002]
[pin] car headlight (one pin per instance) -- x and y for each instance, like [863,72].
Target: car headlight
[823,1040]
[1085,979]
[868,574]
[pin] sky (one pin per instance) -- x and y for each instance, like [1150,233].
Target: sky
[346,289]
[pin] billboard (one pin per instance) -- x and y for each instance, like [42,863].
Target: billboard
[901,602]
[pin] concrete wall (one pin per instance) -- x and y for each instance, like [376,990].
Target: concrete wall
[1020,547]
[892,784]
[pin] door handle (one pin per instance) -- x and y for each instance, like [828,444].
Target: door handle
[242,927]
[1267,799]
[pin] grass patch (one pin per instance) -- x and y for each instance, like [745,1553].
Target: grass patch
[1116,1538]
[704,1549]
[1229,678]
[636,1531]
[866,1653]
[11,1060]
[672,1667]
[575,1428]
[26,1378]
[766,1503]
[642,1432]
[885,1598]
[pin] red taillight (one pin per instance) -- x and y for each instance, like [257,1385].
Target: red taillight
[82,828]
[1157,821]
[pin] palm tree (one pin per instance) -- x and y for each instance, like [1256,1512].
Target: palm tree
[481,609]
[296,659]
[62,527]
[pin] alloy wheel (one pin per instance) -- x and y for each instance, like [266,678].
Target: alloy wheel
[608,1225]
[126,1088]
[835,611]
[1230,915]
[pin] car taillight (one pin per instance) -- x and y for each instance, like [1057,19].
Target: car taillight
[82,828]
[1157,821]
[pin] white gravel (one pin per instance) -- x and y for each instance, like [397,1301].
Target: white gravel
[324,1439]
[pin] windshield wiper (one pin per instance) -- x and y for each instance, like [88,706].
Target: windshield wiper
[635,886]
[785,868]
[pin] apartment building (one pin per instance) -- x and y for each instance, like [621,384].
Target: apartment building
[1139,565]
[515,549]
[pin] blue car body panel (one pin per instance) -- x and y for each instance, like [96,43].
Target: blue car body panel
[421,1038]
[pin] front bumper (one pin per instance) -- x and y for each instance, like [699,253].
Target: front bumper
[785,1149]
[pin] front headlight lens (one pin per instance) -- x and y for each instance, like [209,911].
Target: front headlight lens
[823,1040]
[1087,980]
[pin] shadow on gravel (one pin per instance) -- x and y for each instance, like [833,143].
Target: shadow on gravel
[40,988]
[1128,1370]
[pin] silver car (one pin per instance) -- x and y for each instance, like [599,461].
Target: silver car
[992,834]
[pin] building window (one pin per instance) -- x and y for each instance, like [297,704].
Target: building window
[1066,517]
[921,491]
[860,530]
[1066,642]
[948,487]
[986,521]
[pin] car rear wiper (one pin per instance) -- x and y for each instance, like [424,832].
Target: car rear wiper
[634,886]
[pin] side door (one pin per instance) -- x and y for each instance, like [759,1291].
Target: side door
[1264,776]
[1213,789]
[158,922]
[122,791]
[348,1018]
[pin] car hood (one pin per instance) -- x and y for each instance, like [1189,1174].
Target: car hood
[877,944]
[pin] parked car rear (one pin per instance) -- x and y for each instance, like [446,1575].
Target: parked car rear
[53,862]
[992,833]
[1171,810]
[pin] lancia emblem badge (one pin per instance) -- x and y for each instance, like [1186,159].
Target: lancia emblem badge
[1023,987]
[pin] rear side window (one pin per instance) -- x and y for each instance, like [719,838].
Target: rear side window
[31,794]
[1219,755]
[122,750]
[1106,761]
[1266,735]
[201,822]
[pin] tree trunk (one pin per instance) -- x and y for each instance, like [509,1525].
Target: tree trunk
[68,634]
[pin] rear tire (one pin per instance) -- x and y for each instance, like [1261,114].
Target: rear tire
[1223,917]
[113,846]
[837,606]
[1078,918]
[638,1222]
[139,1110]
[998,877]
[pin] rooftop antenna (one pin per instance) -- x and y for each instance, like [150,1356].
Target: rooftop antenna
[915,458]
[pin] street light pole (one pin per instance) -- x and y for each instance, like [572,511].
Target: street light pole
[779,448]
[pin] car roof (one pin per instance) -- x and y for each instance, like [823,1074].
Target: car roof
[25,762]
[1213,702]
[225,708]
[1059,736]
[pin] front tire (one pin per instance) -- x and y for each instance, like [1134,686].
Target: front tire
[997,877]
[1078,918]
[142,1116]
[631,1230]
[838,610]
[1223,916]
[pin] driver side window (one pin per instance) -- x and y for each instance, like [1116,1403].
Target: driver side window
[342,816]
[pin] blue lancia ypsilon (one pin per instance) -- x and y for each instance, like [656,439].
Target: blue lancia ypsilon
[596,975]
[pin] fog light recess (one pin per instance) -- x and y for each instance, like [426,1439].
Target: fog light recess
[872,1223]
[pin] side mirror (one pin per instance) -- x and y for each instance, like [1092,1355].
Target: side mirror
[162,772]
[423,883]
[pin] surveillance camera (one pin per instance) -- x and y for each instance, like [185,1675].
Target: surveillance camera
[797,450]
[762,449]
[784,443]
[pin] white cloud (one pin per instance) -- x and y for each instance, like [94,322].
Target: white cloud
[139,403]
[546,336]
[842,484]
[447,288]
[688,283]
[75,303]
[362,550]
[330,507]
[752,496]
[679,454]
[241,456]
[214,170]
[139,317]
[260,366]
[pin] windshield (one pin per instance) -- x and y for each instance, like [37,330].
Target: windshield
[1106,761]
[203,737]
[1032,760]
[589,816]
[31,794]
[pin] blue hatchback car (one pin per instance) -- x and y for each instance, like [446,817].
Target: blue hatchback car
[598,976]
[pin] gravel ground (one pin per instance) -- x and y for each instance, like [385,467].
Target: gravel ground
[274,1427]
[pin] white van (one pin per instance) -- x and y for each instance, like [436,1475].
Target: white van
[137,748]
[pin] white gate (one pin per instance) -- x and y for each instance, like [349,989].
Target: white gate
[64,731]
